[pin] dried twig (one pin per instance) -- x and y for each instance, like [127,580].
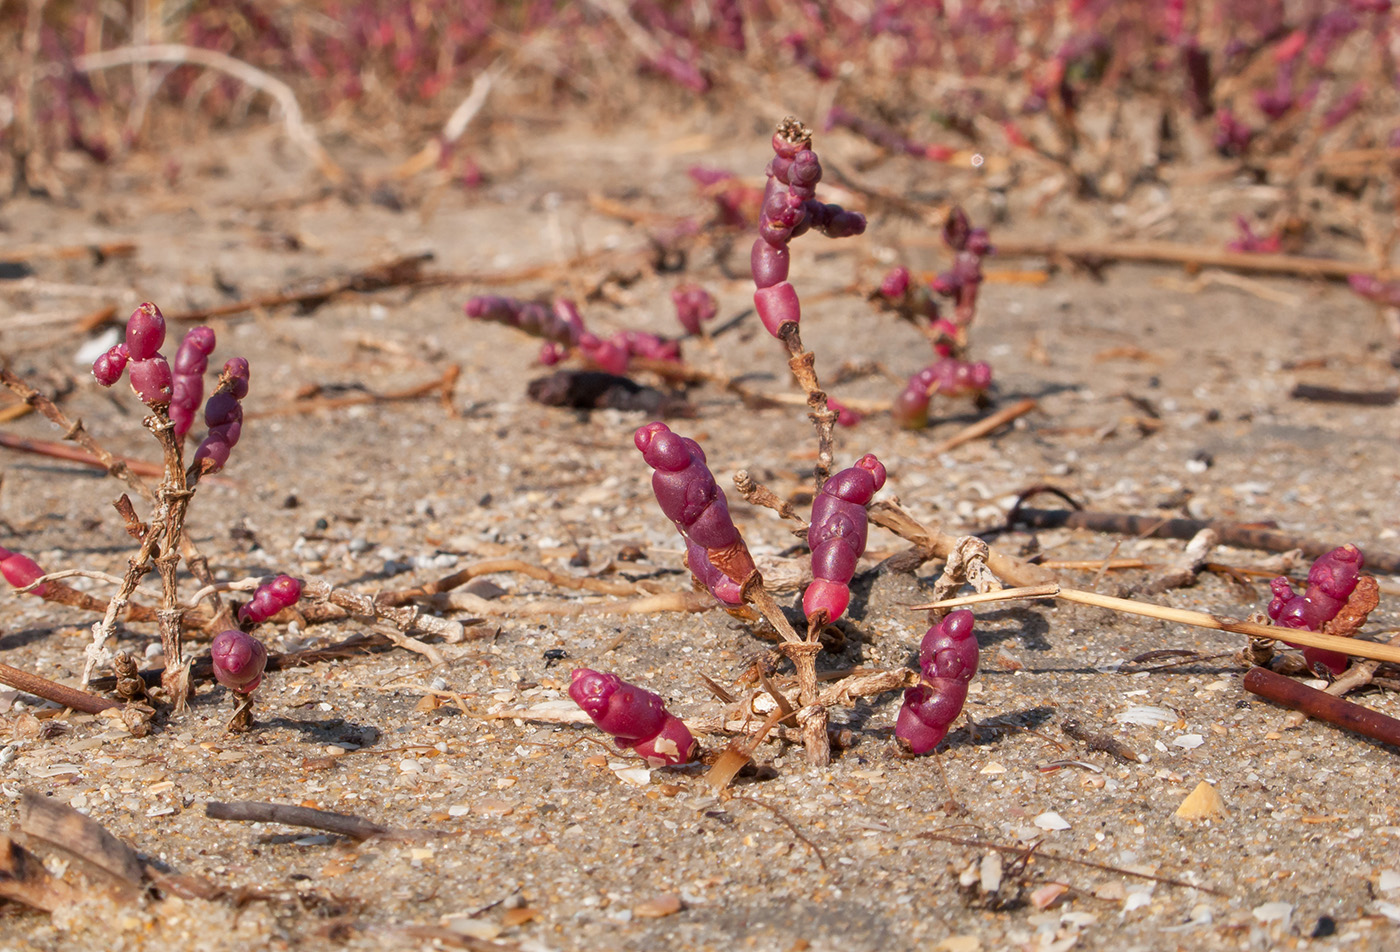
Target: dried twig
[1240,535]
[442,386]
[406,270]
[1059,858]
[21,444]
[935,543]
[1312,639]
[251,811]
[53,691]
[292,118]
[1191,256]
[985,426]
[1323,706]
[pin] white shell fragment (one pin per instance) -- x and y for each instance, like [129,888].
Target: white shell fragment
[1051,821]
[1189,741]
[1203,803]
[1274,912]
[1146,716]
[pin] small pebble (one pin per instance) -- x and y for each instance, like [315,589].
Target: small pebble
[1274,912]
[664,905]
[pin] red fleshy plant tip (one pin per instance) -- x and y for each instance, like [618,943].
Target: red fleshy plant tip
[239,660]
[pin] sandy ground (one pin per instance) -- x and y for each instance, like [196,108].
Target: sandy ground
[1158,393]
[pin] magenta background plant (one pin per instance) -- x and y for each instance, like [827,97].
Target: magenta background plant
[837,535]
[634,717]
[563,329]
[948,658]
[694,306]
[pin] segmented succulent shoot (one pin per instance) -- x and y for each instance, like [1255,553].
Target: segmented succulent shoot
[269,599]
[837,536]
[109,367]
[634,717]
[223,414]
[789,209]
[1374,289]
[949,377]
[559,324]
[721,586]
[147,370]
[191,361]
[970,245]
[1331,581]
[948,662]
[694,306]
[20,570]
[686,490]
[239,660]
[845,416]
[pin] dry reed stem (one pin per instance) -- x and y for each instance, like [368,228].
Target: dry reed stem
[292,116]
[1311,639]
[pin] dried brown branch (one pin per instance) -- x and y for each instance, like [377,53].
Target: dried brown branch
[1240,535]
[935,543]
[1323,706]
[1312,639]
[1190,256]
[53,691]
[62,828]
[1056,857]
[500,566]
[341,824]
[442,386]
[292,118]
[985,426]
[21,444]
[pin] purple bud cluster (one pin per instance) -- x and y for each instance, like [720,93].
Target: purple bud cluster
[694,306]
[634,717]
[947,661]
[1376,290]
[223,414]
[269,599]
[949,377]
[239,660]
[1331,580]
[561,325]
[139,354]
[191,361]
[789,209]
[20,570]
[689,496]
[837,535]
[179,392]
[962,282]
